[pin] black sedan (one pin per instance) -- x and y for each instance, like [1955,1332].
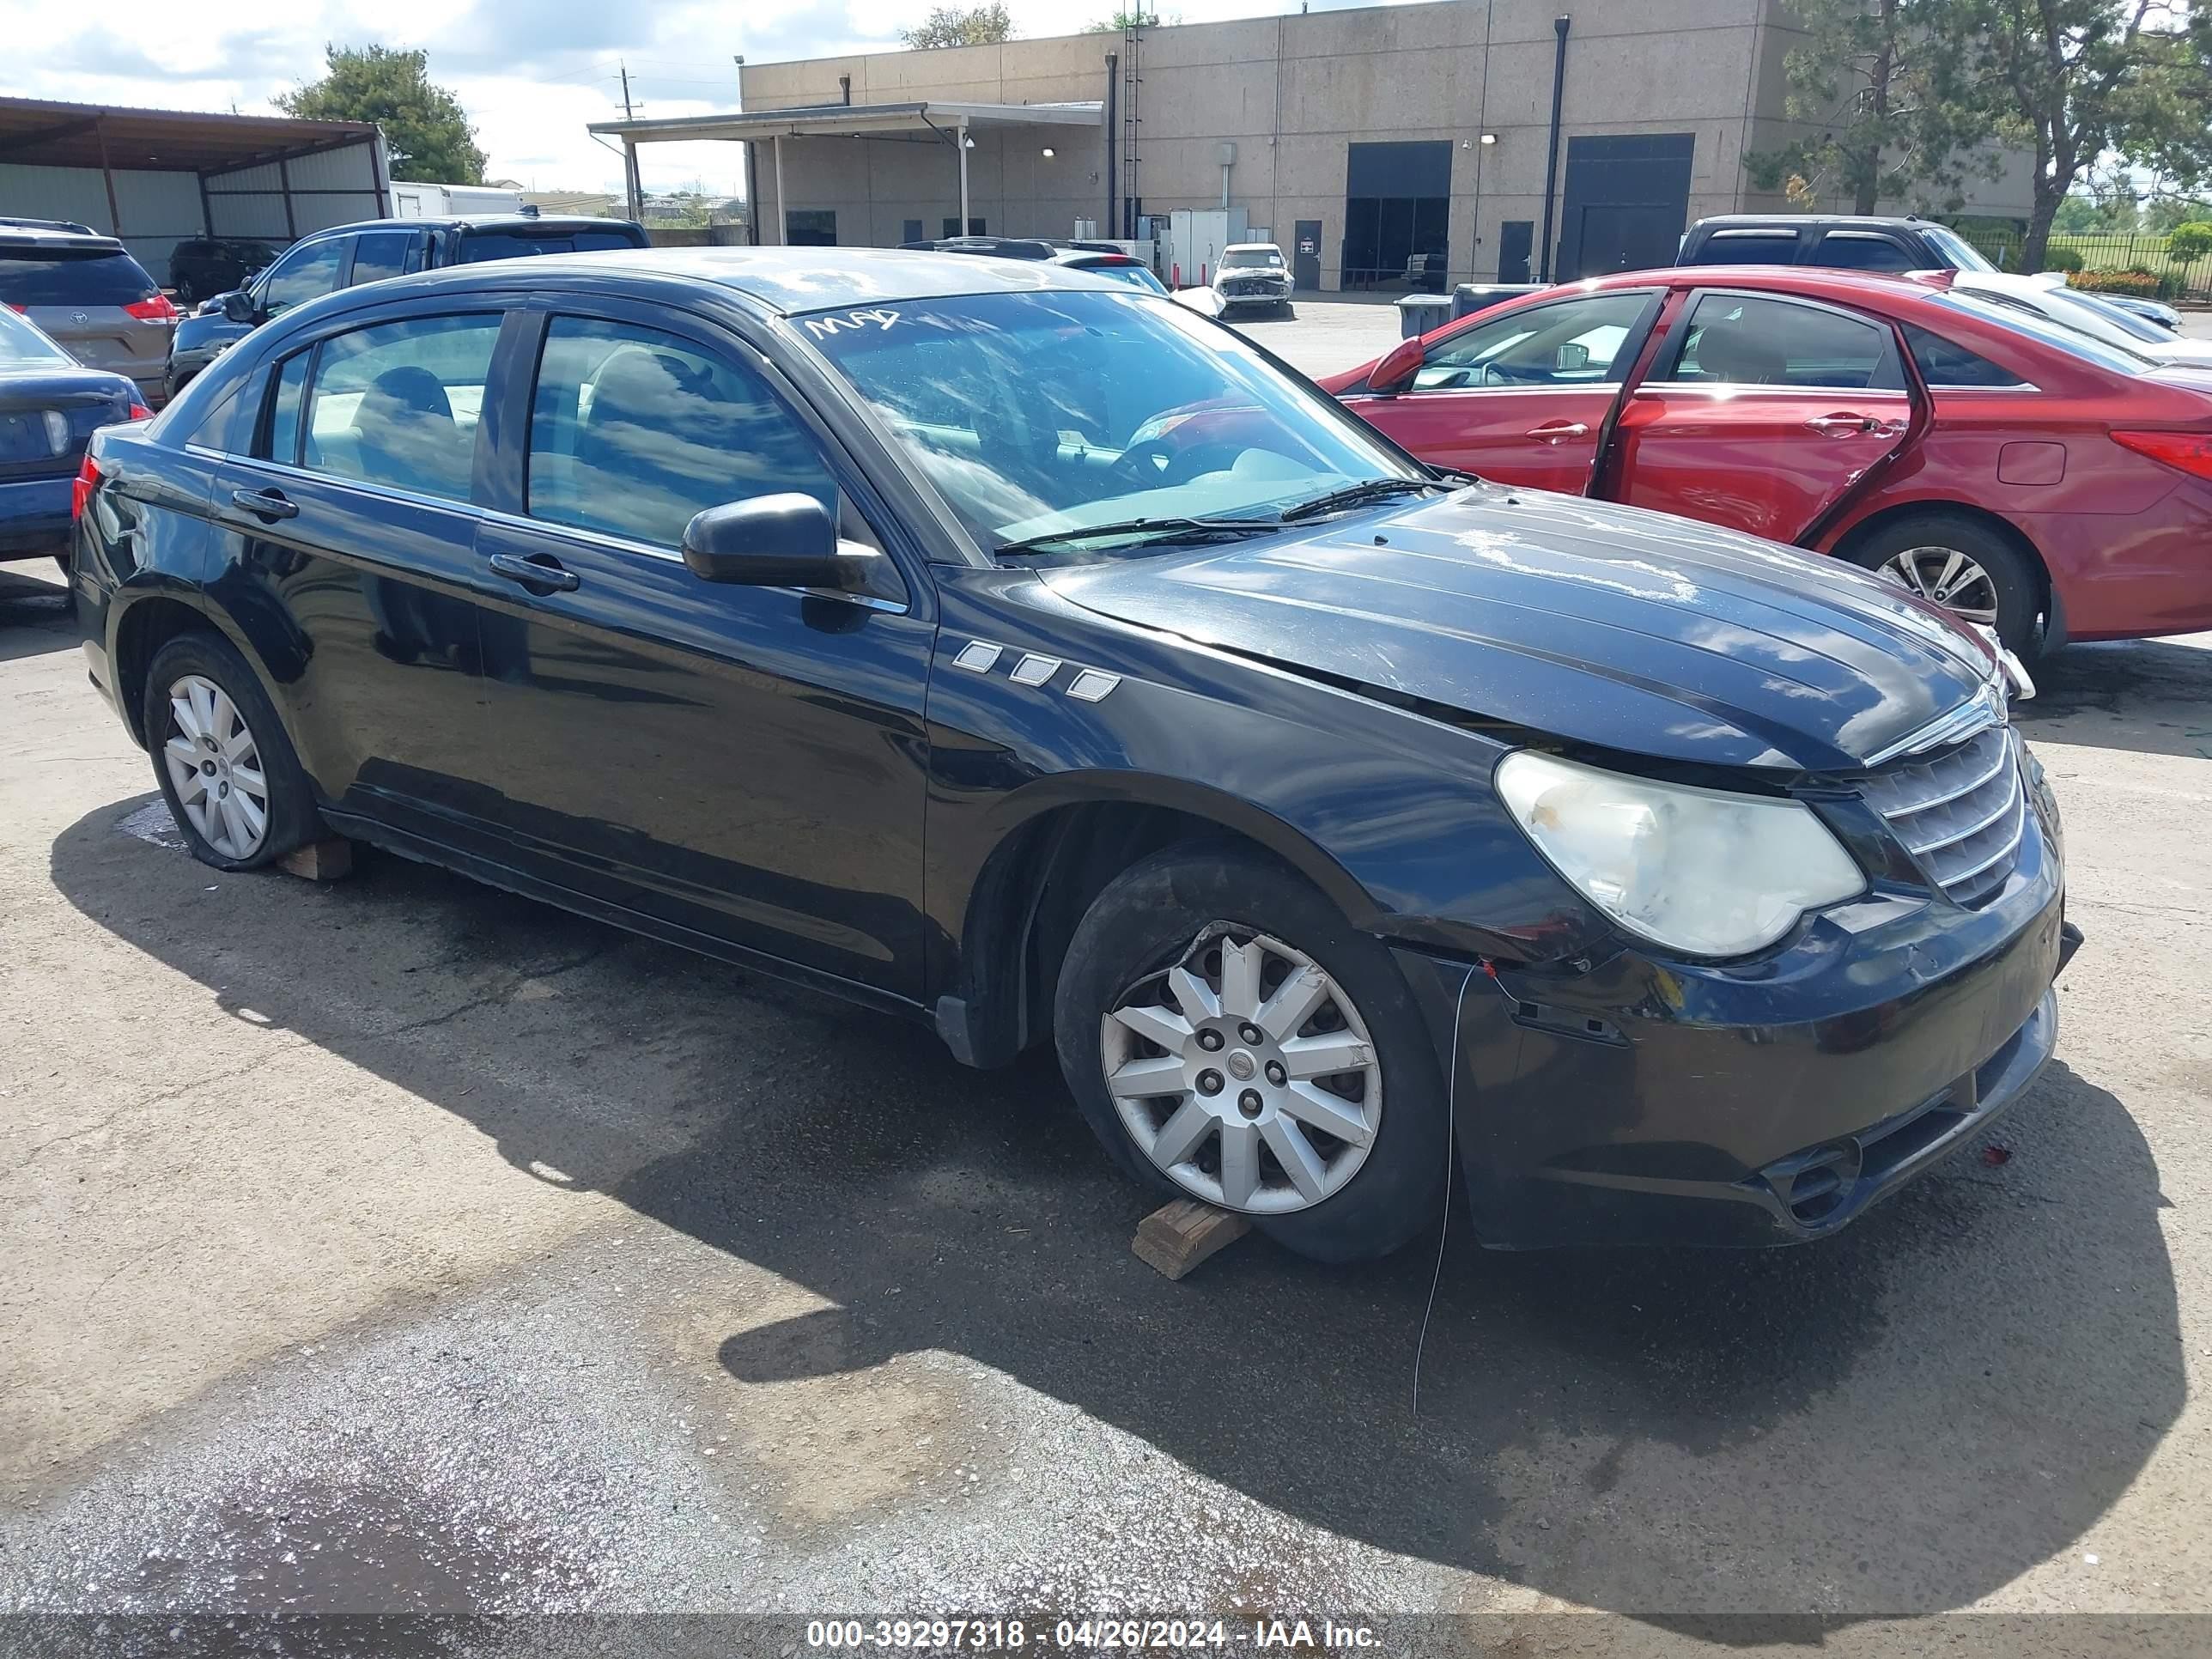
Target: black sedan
[1003,648]
[49,409]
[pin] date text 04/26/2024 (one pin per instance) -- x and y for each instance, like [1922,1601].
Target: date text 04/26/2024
[1087,1635]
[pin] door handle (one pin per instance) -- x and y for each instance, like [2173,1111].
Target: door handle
[1842,426]
[1558,432]
[531,573]
[265,503]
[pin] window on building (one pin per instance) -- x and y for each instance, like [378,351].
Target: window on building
[910,230]
[1736,340]
[974,227]
[811,228]
[632,432]
[397,404]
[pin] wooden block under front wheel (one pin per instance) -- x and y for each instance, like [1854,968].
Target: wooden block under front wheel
[330,860]
[1177,1236]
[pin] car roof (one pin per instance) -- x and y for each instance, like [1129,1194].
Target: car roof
[1815,282]
[785,280]
[1255,246]
[1821,221]
[547,221]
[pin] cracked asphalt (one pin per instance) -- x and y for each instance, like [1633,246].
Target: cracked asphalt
[400,1246]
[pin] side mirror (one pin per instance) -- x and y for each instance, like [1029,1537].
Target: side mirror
[238,305]
[773,541]
[1396,370]
[1572,356]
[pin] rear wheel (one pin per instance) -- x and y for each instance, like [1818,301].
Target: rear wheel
[1966,567]
[226,768]
[1230,1037]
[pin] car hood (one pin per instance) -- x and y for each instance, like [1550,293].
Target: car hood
[1605,625]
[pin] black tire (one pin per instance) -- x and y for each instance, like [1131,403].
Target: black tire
[67,561]
[1287,312]
[1148,918]
[292,818]
[2014,575]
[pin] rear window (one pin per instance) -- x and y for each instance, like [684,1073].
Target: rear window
[21,343]
[71,276]
[2036,326]
[1747,247]
[479,246]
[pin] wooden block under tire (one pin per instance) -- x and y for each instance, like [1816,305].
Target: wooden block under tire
[328,860]
[1175,1237]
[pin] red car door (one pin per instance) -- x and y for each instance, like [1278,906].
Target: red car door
[1760,413]
[1521,397]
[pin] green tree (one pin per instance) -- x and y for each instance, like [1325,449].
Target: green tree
[1128,17]
[424,126]
[1886,82]
[2191,242]
[962,25]
[2077,80]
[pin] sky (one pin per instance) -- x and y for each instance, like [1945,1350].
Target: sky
[530,73]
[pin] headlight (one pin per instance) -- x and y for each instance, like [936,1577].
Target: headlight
[1697,871]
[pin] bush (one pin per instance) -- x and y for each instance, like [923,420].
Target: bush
[2144,284]
[2061,258]
[2191,242]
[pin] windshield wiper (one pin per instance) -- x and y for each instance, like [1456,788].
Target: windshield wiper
[1352,495]
[1148,529]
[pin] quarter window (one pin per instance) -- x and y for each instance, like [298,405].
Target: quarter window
[1944,362]
[304,273]
[1575,343]
[1733,339]
[633,431]
[397,404]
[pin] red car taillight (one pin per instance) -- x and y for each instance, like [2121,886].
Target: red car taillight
[2189,451]
[140,412]
[88,480]
[154,308]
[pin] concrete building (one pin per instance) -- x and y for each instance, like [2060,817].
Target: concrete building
[1359,138]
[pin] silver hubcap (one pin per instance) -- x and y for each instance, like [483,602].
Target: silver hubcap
[216,768]
[1948,577]
[1245,1073]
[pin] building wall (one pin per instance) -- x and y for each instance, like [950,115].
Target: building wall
[161,208]
[1291,93]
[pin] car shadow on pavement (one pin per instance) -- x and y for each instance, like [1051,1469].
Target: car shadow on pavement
[2149,696]
[35,613]
[1903,1417]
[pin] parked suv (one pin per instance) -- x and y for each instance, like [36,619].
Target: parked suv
[201,265]
[1836,242]
[90,297]
[345,256]
[1009,651]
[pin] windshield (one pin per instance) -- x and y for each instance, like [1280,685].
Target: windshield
[1232,258]
[21,344]
[2134,327]
[2114,355]
[1040,414]
[1962,254]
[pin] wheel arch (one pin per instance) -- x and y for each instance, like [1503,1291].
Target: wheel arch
[1842,543]
[1051,850]
[143,629]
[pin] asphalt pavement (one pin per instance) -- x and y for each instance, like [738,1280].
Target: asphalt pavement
[397,1246]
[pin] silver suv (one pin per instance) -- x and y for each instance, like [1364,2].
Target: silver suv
[89,296]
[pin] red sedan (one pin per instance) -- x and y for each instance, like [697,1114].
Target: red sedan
[2026,476]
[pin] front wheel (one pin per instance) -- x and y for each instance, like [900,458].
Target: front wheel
[1963,566]
[1230,1037]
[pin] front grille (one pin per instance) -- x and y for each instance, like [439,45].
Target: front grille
[1960,813]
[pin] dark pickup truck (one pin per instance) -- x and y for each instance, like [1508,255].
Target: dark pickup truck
[346,256]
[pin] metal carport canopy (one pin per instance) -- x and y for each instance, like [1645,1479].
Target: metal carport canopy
[949,121]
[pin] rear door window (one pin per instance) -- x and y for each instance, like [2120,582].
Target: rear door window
[1738,339]
[1861,250]
[479,244]
[1748,247]
[397,404]
[380,255]
[62,276]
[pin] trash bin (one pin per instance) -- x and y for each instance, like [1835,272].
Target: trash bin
[1419,312]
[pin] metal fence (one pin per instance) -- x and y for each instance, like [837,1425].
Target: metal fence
[2106,253]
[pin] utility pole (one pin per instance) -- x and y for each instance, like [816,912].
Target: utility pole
[631,187]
